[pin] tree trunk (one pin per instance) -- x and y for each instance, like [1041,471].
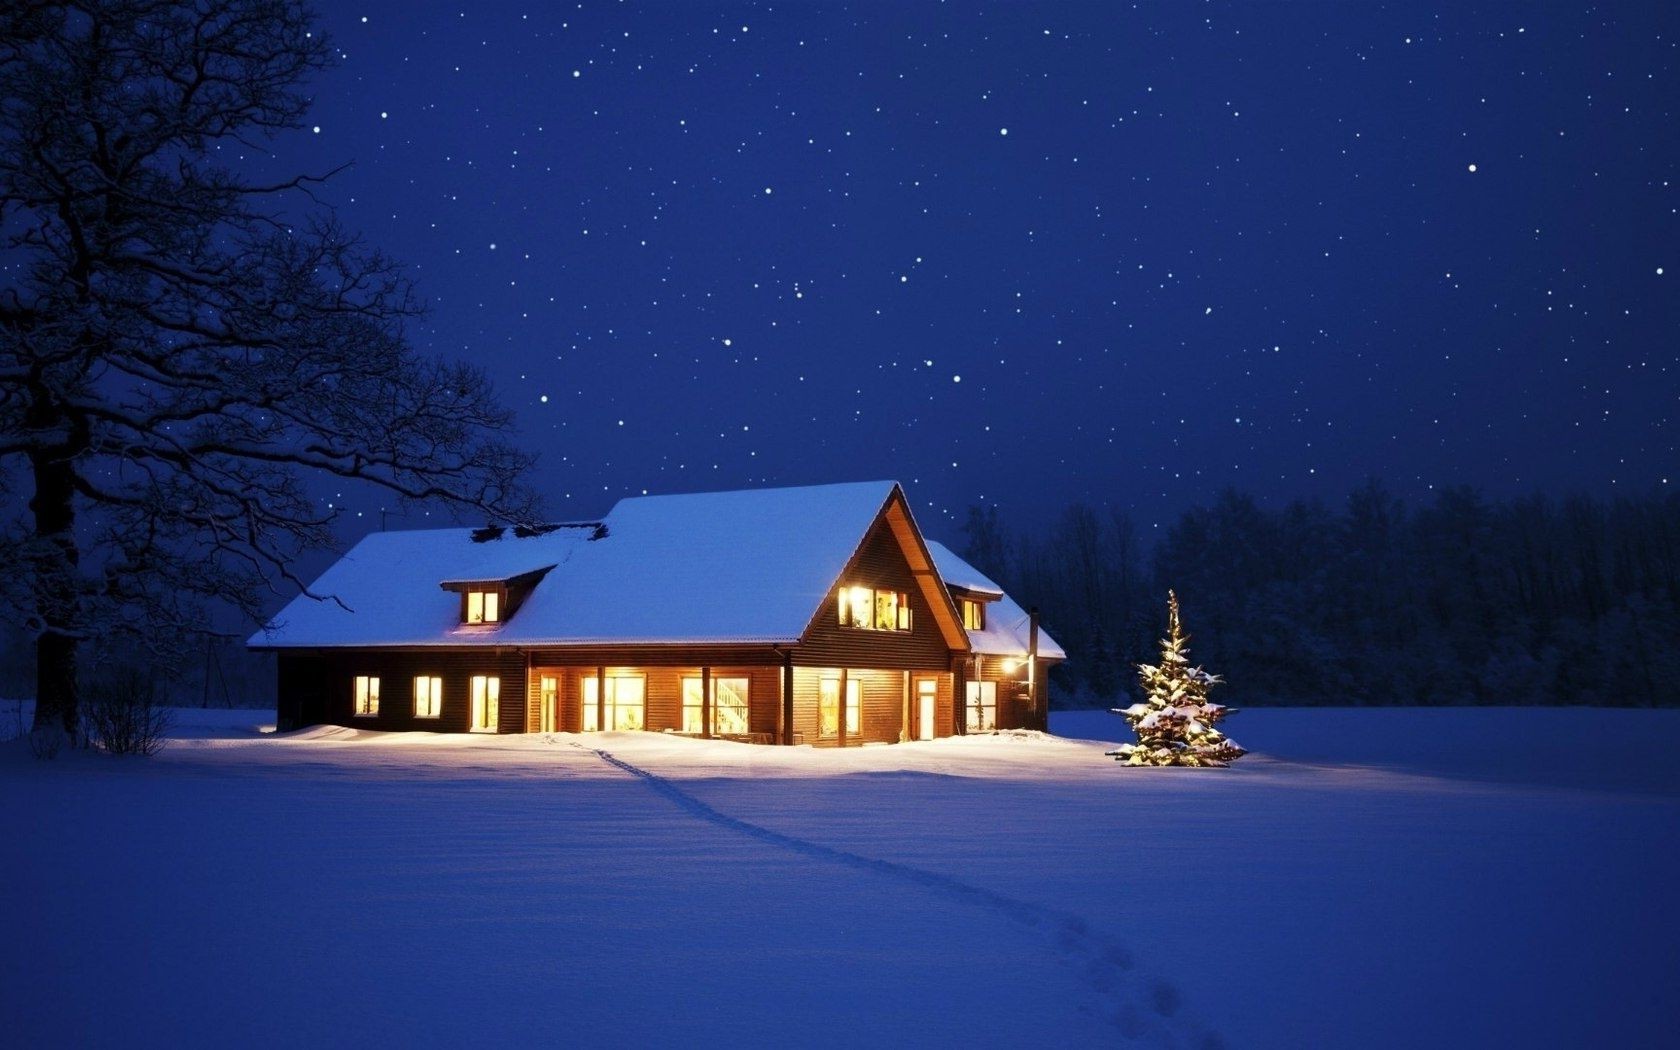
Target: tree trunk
[56,560]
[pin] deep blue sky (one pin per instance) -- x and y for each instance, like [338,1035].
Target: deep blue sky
[715,246]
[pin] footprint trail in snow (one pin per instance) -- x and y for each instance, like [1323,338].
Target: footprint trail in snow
[1144,1009]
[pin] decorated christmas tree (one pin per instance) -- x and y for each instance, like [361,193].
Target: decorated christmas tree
[1175,724]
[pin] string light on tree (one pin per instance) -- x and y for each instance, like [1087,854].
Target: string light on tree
[1175,724]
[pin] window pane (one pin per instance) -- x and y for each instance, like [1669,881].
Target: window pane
[428,696]
[854,707]
[729,705]
[982,711]
[863,607]
[475,606]
[625,696]
[828,708]
[492,607]
[591,708]
[691,697]
[886,610]
[485,693]
[367,695]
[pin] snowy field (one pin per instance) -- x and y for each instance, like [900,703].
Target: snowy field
[1367,878]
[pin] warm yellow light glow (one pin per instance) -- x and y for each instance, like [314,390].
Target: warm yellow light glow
[1010,664]
[548,713]
[873,610]
[428,696]
[486,703]
[625,707]
[982,707]
[828,707]
[729,706]
[484,607]
[367,696]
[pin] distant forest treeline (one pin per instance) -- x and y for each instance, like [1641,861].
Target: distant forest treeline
[1464,601]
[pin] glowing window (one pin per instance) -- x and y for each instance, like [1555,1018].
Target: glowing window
[973,614]
[873,610]
[484,607]
[828,708]
[548,695]
[729,706]
[367,696]
[486,700]
[623,708]
[428,697]
[982,707]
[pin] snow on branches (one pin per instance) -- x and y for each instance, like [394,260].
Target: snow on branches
[1175,723]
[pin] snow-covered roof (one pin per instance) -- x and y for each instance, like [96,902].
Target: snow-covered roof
[717,567]
[1007,624]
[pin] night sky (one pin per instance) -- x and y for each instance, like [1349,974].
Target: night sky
[1031,255]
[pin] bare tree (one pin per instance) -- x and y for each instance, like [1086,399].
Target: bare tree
[180,345]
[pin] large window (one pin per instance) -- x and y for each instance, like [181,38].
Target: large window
[367,696]
[828,708]
[982,707]
[428,697]
[874,609]
[973,614]
[486,700]
[484,607]
[623,707]
[729,706]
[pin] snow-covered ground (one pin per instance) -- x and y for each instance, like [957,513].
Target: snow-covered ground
[1367,878]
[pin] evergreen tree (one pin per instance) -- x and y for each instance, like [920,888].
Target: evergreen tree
[1175,724]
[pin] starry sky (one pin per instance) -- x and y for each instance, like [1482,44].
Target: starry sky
[1032,254]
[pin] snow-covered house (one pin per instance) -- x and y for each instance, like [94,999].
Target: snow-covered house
[815,615]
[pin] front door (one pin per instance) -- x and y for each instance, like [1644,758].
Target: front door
[927,694]
[548,701]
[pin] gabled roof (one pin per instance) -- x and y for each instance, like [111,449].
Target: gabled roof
[1007,624]
[711,568]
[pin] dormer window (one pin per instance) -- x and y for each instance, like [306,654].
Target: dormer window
[490,601]
[973,614]
[484,607]
[874,609]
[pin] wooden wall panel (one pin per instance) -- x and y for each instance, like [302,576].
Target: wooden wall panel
[330,676]
[880,563]
[664,690]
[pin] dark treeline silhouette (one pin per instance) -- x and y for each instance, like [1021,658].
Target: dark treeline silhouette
[1464,601]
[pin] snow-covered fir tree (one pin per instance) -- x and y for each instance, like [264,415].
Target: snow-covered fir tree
[1175,724]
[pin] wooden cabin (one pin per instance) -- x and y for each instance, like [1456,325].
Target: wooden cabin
[816,615]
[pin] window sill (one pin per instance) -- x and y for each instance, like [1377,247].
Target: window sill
[366,714]
[491,729]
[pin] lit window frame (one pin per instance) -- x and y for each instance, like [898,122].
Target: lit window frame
[590,709]
[828,695]
[863,609]
[973,614]
[483,607]
[693,704]
[484,698]
[366,697]
[428,696]
[980,701]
